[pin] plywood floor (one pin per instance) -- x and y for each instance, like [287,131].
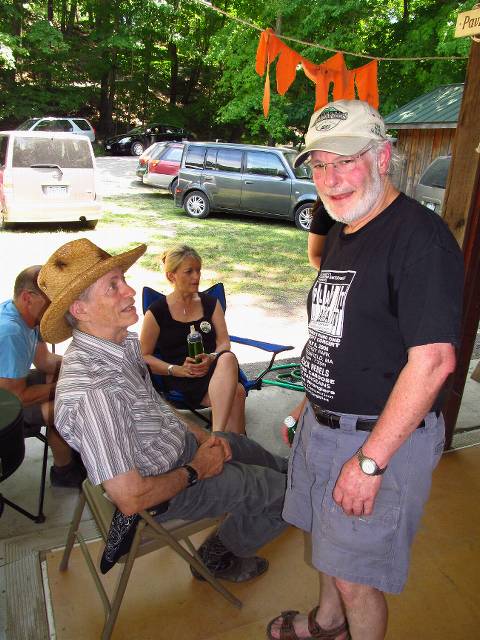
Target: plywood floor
[163,601]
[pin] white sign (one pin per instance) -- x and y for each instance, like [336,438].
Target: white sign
[468,23]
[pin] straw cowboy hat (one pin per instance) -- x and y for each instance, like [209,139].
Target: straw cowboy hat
[68,272]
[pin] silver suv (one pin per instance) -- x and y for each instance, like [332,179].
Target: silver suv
[244,179]
[430,190]
[80,126]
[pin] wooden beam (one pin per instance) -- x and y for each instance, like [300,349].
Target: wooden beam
[462,214]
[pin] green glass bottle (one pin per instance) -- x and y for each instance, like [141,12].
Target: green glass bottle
[195,344]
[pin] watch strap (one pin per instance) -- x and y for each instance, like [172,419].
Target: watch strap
[192,475]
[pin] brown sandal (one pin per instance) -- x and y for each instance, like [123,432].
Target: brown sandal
[287,630]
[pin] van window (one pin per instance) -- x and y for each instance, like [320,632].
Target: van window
[303,172]
[82,124]
[194,157]
[264,164]
[229,160]
[68,154]
[437,173]
[3,150]
[211,159]
[27,125]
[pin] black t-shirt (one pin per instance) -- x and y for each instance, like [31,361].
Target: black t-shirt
[396,283]
[321,221]
[172,341]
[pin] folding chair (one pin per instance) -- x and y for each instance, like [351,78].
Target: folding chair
[149,296]
[149,536]
[12,451]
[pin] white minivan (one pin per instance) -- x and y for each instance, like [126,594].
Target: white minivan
[48,177]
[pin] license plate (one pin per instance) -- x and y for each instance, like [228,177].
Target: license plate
[430,205]
[55,190]
[108,146]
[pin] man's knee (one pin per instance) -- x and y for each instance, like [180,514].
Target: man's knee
[352,592]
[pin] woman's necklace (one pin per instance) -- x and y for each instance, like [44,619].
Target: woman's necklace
[184,303]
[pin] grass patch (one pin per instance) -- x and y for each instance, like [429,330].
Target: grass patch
[253,256]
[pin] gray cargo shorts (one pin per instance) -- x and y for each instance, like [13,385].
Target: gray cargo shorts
[372,550]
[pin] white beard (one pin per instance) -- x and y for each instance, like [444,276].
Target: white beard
[365,205]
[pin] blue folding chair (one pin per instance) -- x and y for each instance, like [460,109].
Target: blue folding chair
[149,296]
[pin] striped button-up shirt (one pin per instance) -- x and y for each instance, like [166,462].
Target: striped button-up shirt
[107,409]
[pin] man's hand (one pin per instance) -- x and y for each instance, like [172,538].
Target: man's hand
[209,458]
[223,442]
[354,490]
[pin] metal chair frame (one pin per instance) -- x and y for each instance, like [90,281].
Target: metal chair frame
[149,536]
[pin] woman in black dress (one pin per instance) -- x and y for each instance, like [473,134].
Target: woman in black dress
[213,382]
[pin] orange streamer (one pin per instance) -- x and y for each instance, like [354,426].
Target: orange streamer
[332,70]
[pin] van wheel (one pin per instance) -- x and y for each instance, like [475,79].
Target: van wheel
[303,216]
[137,149]
[196,205]
[173,186]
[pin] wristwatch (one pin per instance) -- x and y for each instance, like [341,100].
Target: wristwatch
[368,465]
[192,475]
[213,355]
[290,422]
[170,369]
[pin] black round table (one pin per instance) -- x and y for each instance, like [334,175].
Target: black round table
[12,443]
[12,447]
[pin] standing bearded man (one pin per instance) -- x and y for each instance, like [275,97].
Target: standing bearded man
[384,319]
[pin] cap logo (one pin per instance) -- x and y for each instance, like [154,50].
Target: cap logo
[329,118]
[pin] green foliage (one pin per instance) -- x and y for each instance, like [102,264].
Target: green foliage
[178,61]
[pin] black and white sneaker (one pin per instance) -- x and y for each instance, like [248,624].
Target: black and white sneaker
[225,565]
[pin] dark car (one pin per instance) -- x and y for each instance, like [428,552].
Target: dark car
[135,142]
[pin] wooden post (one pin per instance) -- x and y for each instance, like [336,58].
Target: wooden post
[462,214]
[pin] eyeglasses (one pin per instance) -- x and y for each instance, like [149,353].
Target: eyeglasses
[343,166]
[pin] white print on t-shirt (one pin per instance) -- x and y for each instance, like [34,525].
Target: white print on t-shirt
[329,296]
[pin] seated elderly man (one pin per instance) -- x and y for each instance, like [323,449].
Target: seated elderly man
[129,438]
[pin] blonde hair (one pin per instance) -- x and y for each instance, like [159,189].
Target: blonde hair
[172,258]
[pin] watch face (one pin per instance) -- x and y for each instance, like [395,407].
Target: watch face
[368,466]
[289,421]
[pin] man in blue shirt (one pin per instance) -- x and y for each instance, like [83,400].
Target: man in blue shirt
[20,346]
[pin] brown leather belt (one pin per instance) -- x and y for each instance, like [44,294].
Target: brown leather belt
[332,420]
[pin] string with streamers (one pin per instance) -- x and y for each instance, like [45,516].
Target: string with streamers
[252,25]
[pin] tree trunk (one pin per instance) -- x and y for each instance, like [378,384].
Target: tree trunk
[63,20]
[50,10]
[71,16]
[172,50]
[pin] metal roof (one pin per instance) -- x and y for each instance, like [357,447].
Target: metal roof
[438,109]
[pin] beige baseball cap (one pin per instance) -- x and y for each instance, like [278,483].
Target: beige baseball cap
[344,127]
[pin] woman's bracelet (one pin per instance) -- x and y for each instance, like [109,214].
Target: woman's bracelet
[213,355]
[170,369]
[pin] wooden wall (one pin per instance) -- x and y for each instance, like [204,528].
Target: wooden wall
[418,148]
